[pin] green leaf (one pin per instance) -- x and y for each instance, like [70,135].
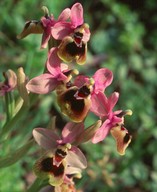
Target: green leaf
[15,156]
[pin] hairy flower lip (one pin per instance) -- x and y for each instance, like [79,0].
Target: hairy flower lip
[122,138]
[70,50]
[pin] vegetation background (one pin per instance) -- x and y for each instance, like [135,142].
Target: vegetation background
[123,39]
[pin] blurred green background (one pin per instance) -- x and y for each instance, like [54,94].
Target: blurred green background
[123,39]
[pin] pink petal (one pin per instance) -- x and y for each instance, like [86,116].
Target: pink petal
[61,30]
[80,80]
[103,78]
[54,65]
[65,15]
[71,131]
[75,158]
[45,138]
[102,132]
[53,62]
[72,170]
[42,84]
[88,133]
[77,15]
[86,34]
[113,100]
[64,67]
[45,39]
[99,104]
[47,24]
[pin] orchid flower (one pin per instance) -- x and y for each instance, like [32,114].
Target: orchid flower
[48,23]
[76,108]
[44,26]
[101,80]
[63,29]
[10,82]
[74,35]
[112,121]
[76,100]
[62,158]
[47,82]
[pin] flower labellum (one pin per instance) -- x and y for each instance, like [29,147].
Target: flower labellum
[53,166]
[122,137]
[75,109]
[73,47]
[76,102]
[45,168]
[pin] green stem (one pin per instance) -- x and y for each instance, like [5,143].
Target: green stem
[37,185]
[10,104]
[10,124]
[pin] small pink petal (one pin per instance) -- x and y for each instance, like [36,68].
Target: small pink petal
[102,132]
[65,15]
[113,100]
[80,80]
[45,39]
[45,138]
[103,78]
[86,34]
[42,84]
[71,131]
[61,30]
[53,61]
[77,15]
[100,105]
[75,158]
[64,67]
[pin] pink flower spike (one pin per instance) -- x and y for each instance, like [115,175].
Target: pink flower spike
[42,84]
[45,138]
[103,78]
[77,15]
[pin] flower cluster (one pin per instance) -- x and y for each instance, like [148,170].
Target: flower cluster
[76,94]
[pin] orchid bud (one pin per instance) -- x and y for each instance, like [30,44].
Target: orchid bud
[10,82]
[21,85]
[31,27]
